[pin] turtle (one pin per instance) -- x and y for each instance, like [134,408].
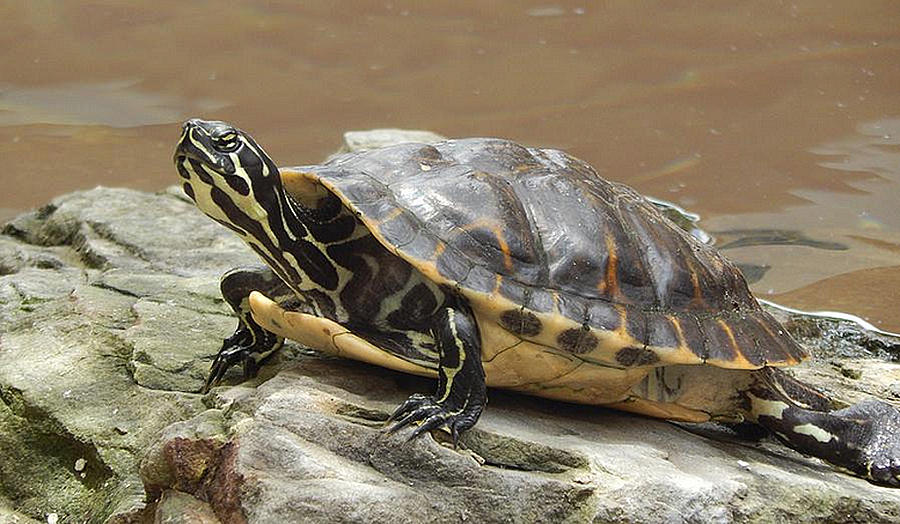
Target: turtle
[481,262]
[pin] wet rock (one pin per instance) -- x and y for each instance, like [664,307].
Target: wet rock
[110,314]
[836,337]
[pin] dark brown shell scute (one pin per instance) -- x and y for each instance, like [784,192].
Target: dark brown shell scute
[548,234]
[514,290]
[490,155]
[453,266]
[577,340]
[747,340]
[720,344]
[399,226]
[538,217]
[689,326]
[661,330]
[573,307]
[633,356]
[521,322]
[422,242]
[636,325]
[773,339]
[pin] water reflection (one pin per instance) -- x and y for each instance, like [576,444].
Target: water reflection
[117,104]
[875,150]
[845,255]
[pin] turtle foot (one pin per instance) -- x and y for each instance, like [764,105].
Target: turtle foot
[431,414]
[243,347]
[879,446]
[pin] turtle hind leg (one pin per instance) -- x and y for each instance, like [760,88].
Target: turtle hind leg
[461,392]
[864,438]
[250,344]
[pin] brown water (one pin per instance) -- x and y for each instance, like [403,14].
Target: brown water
[770,116]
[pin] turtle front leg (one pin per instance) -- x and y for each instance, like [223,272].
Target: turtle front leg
[864,438]
[461,392]
[250,344]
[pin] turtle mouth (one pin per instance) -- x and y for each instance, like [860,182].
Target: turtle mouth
[196,149]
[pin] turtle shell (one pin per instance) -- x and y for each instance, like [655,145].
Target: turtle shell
[545,248]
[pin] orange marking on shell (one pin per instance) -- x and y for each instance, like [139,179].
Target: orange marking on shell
[504,247]
[390,216]
[610,283]
[765,328]
[738,361]
[623,319]
[481,223]
[727,329]
[497,230]
[555,296]
[788,359]
[497,280]
[682,354]
[438,250]
[697,300]
[678,332]
[695,281]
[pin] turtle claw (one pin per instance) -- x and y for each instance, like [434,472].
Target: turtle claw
[233,351]
[430,414]
[241,348]
[433,422]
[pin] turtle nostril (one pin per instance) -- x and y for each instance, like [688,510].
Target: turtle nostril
[192,123]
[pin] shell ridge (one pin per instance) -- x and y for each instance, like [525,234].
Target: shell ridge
[629,236]
[637,234]
[542,263]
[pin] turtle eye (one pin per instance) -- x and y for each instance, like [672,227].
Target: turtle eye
[226,141]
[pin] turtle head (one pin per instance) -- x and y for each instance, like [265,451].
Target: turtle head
[214,153]
[225,169]
[235,183]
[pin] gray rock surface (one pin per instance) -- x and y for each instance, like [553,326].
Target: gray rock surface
[375,138]
[109,318]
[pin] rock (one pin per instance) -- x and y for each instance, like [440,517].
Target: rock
[175,507]
[375,138]
[308,446]
[10,516]
[110,315]
[73,359]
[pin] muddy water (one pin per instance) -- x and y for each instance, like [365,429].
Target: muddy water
[778,122]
